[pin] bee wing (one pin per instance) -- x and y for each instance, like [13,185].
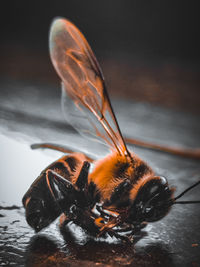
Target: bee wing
[83,120]
[83,82]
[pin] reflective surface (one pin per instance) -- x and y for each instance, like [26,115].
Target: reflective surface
[32,114]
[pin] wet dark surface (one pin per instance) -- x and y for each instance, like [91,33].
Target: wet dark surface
[31,114]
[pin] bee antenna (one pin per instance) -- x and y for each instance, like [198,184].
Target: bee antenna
[187,202]
[184,192]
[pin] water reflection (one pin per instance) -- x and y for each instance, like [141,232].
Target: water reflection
[45,251]
[19,166]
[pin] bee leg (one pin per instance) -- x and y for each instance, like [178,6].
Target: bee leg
[183,152]
[63,220]
[58,148]
[120,191]
[82,180]
[101,211]
[133,228]
[83,196]
[124,238]
[71,198]
[52,146]
[61,189]
[123,230]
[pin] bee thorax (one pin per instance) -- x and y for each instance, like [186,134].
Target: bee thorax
[114,169]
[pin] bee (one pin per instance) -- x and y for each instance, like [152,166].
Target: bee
[122,193]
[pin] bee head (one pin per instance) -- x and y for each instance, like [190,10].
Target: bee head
[153,200]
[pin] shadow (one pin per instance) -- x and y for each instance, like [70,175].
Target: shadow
[13,207]
[19,117]
[42,244]
[43,251]
[46,251]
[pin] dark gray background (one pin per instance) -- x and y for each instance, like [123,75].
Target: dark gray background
[149,50]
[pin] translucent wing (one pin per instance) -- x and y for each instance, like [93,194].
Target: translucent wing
[83,82]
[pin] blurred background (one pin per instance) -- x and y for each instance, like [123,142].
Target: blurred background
[148,50]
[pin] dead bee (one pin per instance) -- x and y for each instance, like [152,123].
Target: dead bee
[122,193]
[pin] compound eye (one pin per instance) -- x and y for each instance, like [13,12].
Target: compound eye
[153,189]
[157,185]
[159,181]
